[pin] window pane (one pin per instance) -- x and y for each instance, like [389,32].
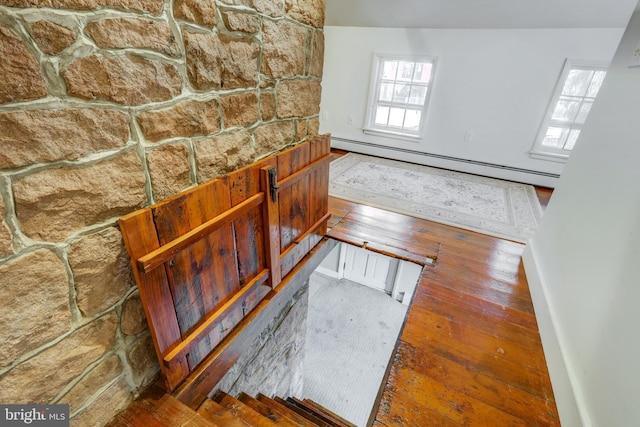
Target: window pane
[418,95]
[386,92]
[405,71]
[555,137]
[577,82]
[389,69]
[570,109]
[382,115]
[571,141]
[584,111]
[412,120]
[596,82]
[422,73]
[566,110]
[396,117]
[401,93]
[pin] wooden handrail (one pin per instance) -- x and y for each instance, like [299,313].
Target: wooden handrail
[213,320]
[165,252]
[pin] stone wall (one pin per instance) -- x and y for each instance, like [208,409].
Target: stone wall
[273,362]
[107,106]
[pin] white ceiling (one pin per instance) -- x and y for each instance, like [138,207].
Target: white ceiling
[480,13]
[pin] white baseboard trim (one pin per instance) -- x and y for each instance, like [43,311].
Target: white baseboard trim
[440,161]
[327,272]
[570,405]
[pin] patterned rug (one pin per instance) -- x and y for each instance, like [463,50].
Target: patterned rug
[491,206]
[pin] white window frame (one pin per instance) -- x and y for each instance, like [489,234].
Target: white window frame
[539,151]
[374,94]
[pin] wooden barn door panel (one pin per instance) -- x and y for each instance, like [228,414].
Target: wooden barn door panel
[302,199]
[249,228]
[203,276]
[206,257]
[140,238]
[292,199]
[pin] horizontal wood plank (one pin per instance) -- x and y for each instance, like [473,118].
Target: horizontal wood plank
[304,172]
[379,236]
[167,251]
[214,319]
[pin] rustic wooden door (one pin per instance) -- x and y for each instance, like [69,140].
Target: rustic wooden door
[206,257]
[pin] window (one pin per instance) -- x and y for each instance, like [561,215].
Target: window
[399,94]
[575,93]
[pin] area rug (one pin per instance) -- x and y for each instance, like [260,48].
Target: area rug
[490,206]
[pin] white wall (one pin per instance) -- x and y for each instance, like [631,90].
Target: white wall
[330,266]
[496,83]
[587,253]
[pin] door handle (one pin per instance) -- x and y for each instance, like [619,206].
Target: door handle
[273,184]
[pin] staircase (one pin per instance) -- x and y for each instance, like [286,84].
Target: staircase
[156,409]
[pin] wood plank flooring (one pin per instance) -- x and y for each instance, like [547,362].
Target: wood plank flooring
[363,228]
[469,353]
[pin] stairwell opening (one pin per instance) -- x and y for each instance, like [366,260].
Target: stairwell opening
[333,340]
[358,302]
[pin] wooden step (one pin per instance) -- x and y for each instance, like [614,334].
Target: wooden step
[242,411]
[217,414]
[159,410]
[322,412]
[280,408]
[303,412]
[266,411]
[135,415]
[172,409]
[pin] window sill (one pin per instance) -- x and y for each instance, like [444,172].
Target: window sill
[553,157]
[394,135]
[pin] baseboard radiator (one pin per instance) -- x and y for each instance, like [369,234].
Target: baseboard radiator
[448,158]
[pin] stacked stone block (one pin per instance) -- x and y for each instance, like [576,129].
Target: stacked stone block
[275,364]
[107,106]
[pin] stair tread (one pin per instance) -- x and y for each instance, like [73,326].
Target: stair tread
[134,416]
[219,415]
[242,411]
[306,414]
[157,409]
[324,413]
[164,411]
[267,411]
[299,419]
[172,410]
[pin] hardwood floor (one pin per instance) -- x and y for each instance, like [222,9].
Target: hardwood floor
[469,352]
[544,195]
